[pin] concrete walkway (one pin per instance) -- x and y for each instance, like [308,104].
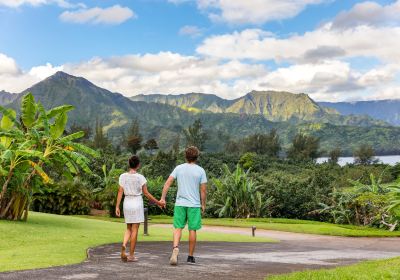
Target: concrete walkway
[220,260]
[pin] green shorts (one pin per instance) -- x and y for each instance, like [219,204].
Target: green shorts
[189,215]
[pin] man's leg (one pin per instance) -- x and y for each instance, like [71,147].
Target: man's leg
[192,242]
[194,224]
[177,236]
[180,218]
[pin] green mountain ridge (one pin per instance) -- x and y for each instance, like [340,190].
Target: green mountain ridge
[273,105]
[7,97]
[165,122]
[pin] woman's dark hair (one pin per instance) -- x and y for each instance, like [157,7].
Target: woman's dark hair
[192,154]
[134,162]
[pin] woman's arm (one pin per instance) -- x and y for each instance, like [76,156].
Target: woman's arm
[119,197]
[149,195]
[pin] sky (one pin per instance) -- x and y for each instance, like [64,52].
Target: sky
[333,50]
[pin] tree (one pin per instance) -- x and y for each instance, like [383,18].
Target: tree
[176,144]
[134,138]
[263,144]
[151,145]
[304,148]
[334,155]
[100,141]
[364,155]
[31,145]
[195,135]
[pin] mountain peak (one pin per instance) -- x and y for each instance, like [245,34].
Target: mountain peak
[63,77]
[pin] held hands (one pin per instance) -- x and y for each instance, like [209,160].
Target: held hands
[162,203]
[117,212]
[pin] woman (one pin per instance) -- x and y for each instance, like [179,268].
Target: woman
[132,184]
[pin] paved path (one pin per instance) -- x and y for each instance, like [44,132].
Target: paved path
[219,260]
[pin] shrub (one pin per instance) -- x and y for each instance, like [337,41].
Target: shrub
[65,198]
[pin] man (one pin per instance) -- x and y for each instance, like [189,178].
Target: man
[190,201]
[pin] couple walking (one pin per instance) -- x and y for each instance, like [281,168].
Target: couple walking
[189,205]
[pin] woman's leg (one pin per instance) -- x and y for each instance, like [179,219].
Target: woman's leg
[127,235]
[125,241]
[134,235]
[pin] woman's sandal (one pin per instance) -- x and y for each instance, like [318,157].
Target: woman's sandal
[124,257]
[132,259]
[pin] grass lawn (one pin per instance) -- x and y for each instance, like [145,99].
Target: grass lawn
[369,270]
[50,240]
[289,225]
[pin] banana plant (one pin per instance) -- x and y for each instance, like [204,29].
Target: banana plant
[236,195]
[31,145]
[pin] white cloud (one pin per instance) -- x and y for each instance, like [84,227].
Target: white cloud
[167,72]
[44,71]
[13,79]
[369,13]
[368,41]
[318,57]
[253,11]
[112,15]
[191,30]
[8,66]
[61,3]
[172,73]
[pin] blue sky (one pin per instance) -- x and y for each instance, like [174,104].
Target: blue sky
[204,38]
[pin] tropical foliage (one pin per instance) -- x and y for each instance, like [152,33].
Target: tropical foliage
[31,144]
[236,195]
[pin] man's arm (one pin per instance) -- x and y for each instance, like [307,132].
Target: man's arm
[167,185]
[203,193]
[119,197]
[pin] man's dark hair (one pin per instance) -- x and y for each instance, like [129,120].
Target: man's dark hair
[192,154]
[134,161]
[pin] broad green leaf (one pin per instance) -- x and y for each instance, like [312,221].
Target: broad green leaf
[7,119]
[7,122]
[84,149]
[73,136]
[43,118]
[58,127]
[59,110]
[9,113]
[79,160]
[28,110]
[29,153]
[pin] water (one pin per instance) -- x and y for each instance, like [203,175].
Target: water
[391,160]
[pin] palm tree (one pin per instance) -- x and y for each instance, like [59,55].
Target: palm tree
[30,145]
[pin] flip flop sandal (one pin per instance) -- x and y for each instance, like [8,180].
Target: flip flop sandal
[132,259]
[124,257]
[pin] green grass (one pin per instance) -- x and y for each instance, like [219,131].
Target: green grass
[369,270]
[290,225]
[49,240]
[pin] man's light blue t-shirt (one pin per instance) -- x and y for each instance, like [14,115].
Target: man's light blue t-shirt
[189,177]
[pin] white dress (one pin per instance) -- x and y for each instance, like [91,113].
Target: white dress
[132,184]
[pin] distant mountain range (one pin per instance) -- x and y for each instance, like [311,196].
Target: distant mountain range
[385,110]
[274,106]
[163,117]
